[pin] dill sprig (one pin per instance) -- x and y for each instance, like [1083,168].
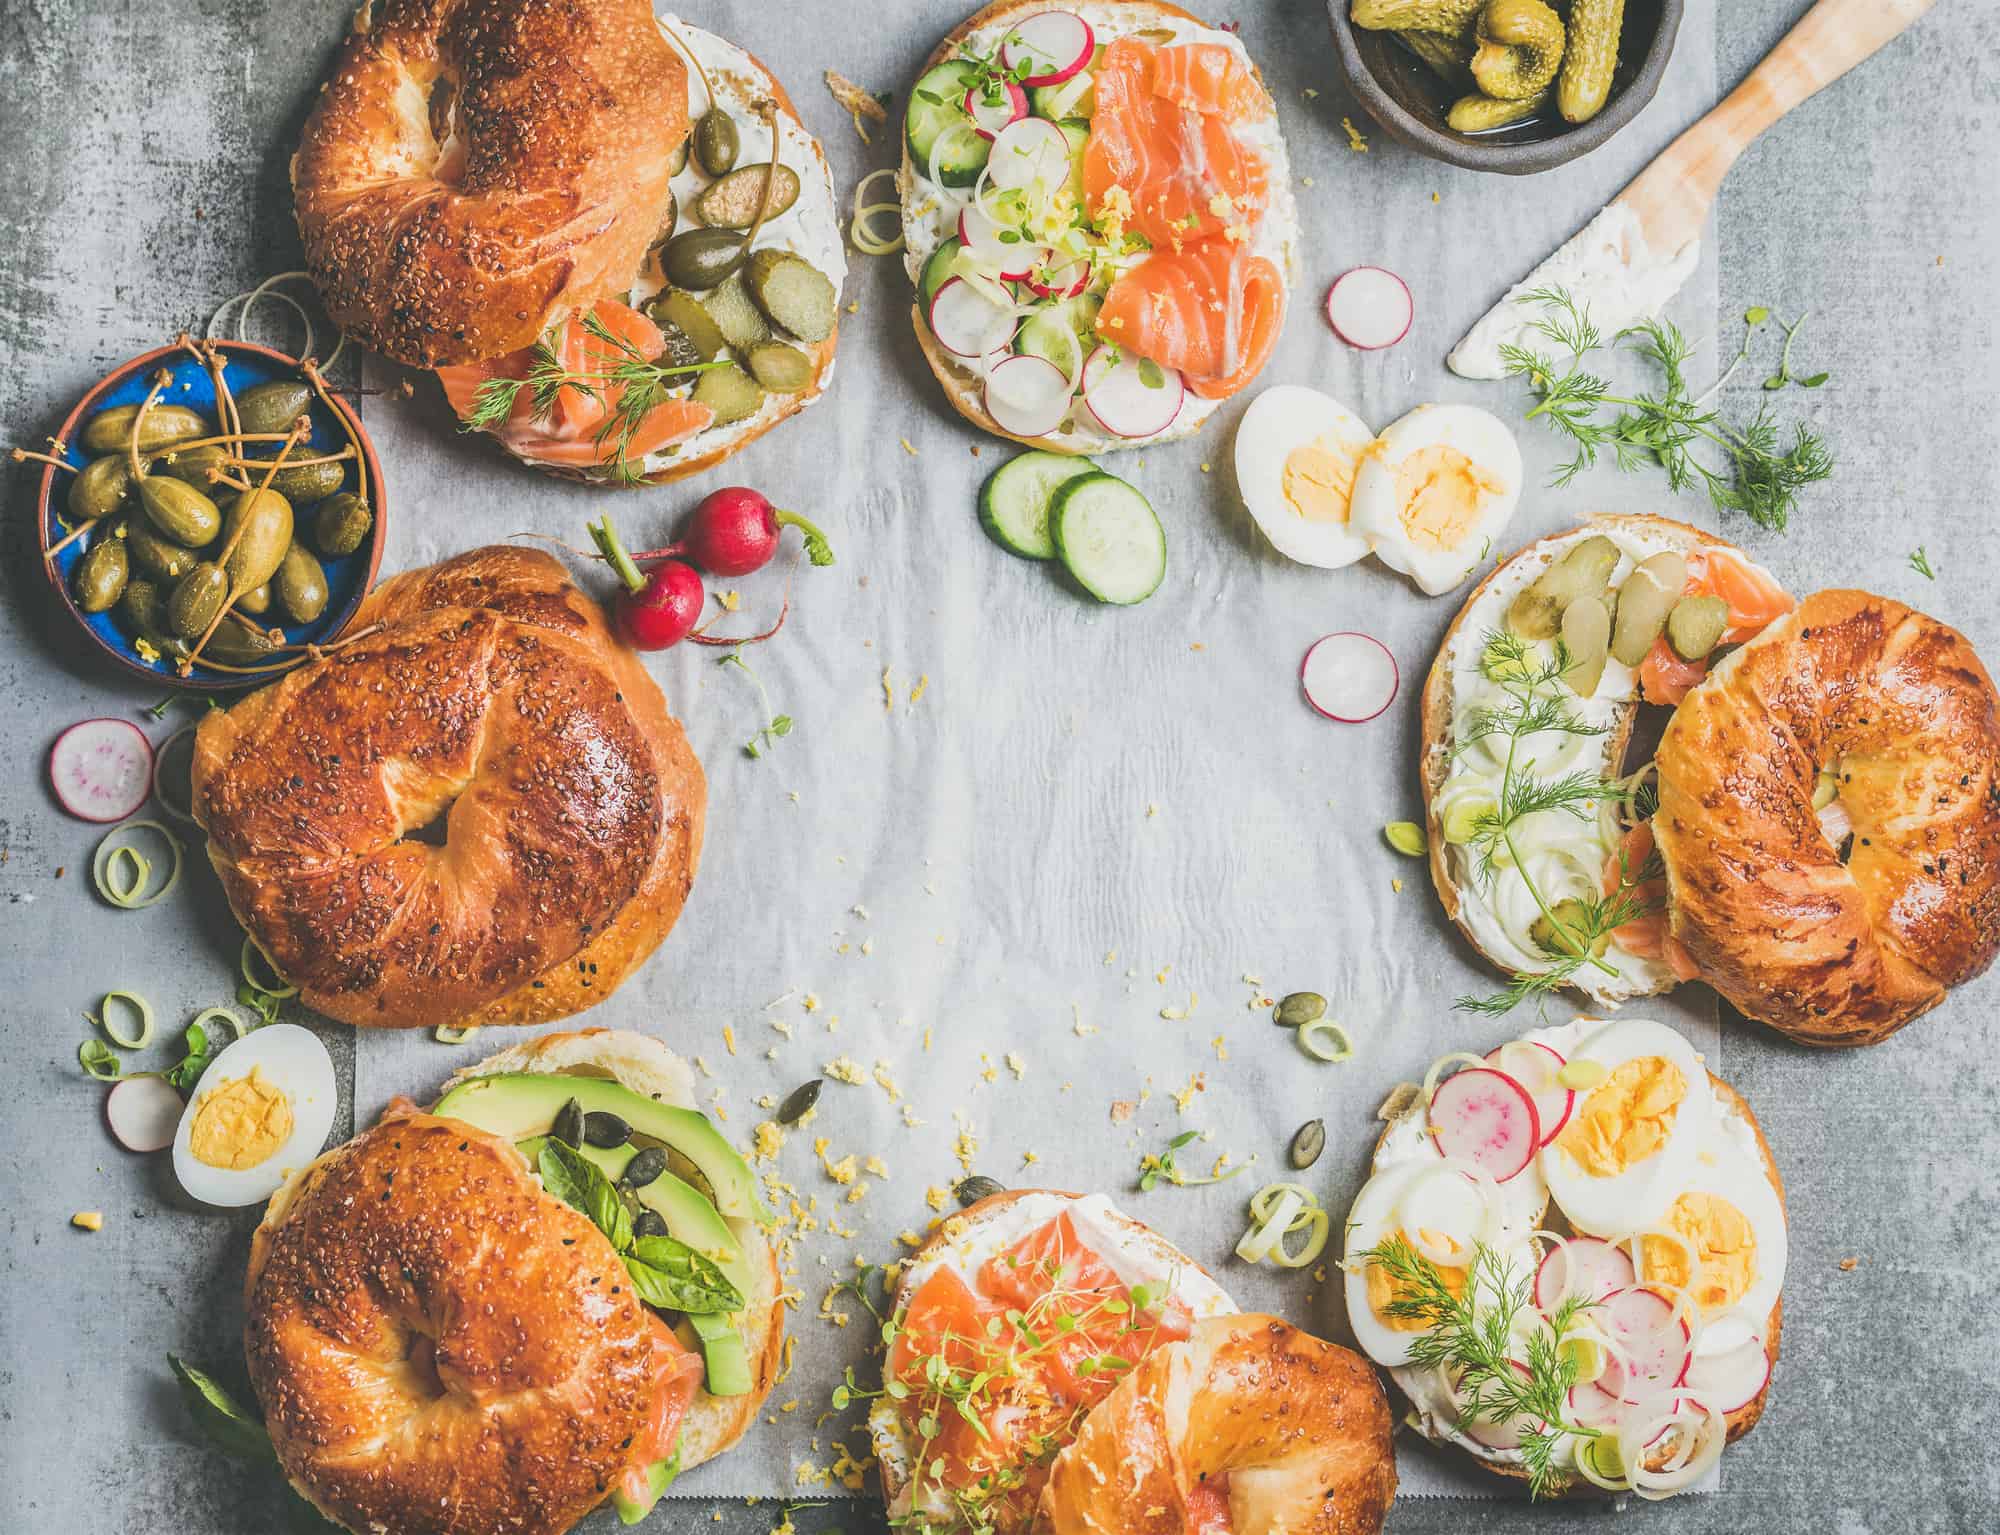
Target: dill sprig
[1762,474]
[1472,1336]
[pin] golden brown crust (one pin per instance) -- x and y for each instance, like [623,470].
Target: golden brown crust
[562,116]
[1293,1430]
[424,1238]
[495,688]
[1825,951]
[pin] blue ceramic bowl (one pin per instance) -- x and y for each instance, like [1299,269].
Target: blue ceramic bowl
[347,578]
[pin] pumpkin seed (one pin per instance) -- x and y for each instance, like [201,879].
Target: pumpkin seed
[646,1167]
[800,1101]
[568,1127]
[1308,1143]
[647,1223]
[1298,1009]
[1407,838]
[603,1128]
[971,1190]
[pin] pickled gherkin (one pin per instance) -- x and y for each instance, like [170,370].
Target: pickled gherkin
[1481,114]
[1591,59]
[1520,49]
[1450,16]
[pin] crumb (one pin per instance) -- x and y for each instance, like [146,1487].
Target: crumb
[1396,885]
[1017,1065]
[88,1220]
[906,446]
[1123,1109]
[1847,1265]
[1356,140]
[729,1038]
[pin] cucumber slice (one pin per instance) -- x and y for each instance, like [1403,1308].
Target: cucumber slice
[1047,332]
[1014,501]
[1106,535]
[1075,97]
[935,113]
[937,271]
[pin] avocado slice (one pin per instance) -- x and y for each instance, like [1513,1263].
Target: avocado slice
[659,1477]
[724,1355]
[520,1105]
[689,1216]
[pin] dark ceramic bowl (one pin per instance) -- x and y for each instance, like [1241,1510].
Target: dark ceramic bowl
[347,578]
[1400,92]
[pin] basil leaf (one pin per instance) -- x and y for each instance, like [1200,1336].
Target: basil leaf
[673,1276]
[217,1413]
[581,1184]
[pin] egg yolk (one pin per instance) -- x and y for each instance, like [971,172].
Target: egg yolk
[1384,1287]
[1720,1237]
[240,1123]
[1628,1118]
[1319,480]
[1441,492]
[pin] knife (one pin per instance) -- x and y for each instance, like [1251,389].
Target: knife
[1633,257]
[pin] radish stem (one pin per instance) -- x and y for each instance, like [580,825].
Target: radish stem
[606,538]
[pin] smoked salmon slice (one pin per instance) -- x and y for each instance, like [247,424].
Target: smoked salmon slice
[676,1373]
[1207,77]
[1050,1260]
[1212,310]
[1650,936]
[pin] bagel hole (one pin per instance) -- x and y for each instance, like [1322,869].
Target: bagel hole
[421,1355]
[442,110]
[434,832]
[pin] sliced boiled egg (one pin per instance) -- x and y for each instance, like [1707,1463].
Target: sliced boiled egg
[1435,491]
[1723,1241]
[261,1111]
[1631,1140]
[1297,452]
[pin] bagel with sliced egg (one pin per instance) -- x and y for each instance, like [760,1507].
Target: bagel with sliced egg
[1140,300]
[551,1289]
[1589,858]
[1597,1185]
[1056,1366]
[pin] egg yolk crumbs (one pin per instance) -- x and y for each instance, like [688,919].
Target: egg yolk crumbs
[1441,492]
[1384,1287]
[1720,1237]
[1319,480]
[1628,1118]
[240,1123]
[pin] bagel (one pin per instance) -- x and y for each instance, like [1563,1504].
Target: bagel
[930,212]
[485,695]
[1490,906]
[473,170]
[442,1347]
[1834,947]
[1727,1162]
[1046,1428]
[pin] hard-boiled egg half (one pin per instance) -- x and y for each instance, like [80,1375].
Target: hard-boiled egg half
[1433,494]
[1723,1241]
[261,1111]
[1629,1147]
[1297,452]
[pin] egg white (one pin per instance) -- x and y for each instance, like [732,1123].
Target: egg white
[1639,1196]
[1279,421]
[1378,501]
[296,1063]
[1725,1169]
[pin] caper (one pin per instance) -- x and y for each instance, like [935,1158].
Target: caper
[341,524]
[699,259]
[257,600]
[192,464]
[300,585]
[1308,1143]
[157,557]
[110,431]
[197,598]
[273,407]
[140,606]
[101,489]
[238,642]
[101,575]
[971,1190]
[716,142]
[1299,1009]
[257,531]
[647,1223]
[603,1128]
[646,1167]
[180,511]
[799,1102]
[305,484]
[568,1127]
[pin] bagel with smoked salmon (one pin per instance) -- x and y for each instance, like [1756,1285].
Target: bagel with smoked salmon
[1098,219]
[1055,1365]
[550,1290]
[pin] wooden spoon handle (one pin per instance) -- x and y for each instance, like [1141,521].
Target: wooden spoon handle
[1672,196]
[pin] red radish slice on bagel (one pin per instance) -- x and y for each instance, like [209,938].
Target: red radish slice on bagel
[1027,396]
[1487,1119]
[1027,152]
[1129,396]
[102,769]
[966,322]
[1370,308]
[1349,678]
[1065,279]
[1652,1352]
[1052,46]
[1534,1066]
[989,117]
[980,233]
[1731,1380]
[1589,1267]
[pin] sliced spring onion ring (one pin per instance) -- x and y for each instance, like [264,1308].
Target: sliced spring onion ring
[139,1007]
[1443,1064]
[266,289]
[1257,1243]
[159,763]
[1322,1227]
[445,1034]
[860,229]
[225,1015]
[1587,1467]
[135,896]
[281,989]
[1342,1048]
[1689,1463]
[1278,1211]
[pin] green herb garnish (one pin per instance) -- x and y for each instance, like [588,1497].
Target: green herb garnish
[778,726]
[1157,1167]
[1920,562]
[228,1424]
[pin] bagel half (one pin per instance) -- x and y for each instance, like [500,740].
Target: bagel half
[961,382]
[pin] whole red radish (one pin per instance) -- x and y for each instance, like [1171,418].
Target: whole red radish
[658,607]
[735,530]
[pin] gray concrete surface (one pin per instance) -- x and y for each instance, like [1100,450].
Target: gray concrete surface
[145,149]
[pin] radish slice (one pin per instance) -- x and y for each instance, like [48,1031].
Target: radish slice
[1486,1118]
[143,1113]
[1030,152]
[1053,45]
[102,770]
[1370,308]
[1585,1266]
[1653,1352]
[1594,1407]
[1130,397]
[1028,396]
[966,322]
[1534,1065]
[989,117]
[980,233]
[1349,677]
[1730,1381]
[1064,280]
